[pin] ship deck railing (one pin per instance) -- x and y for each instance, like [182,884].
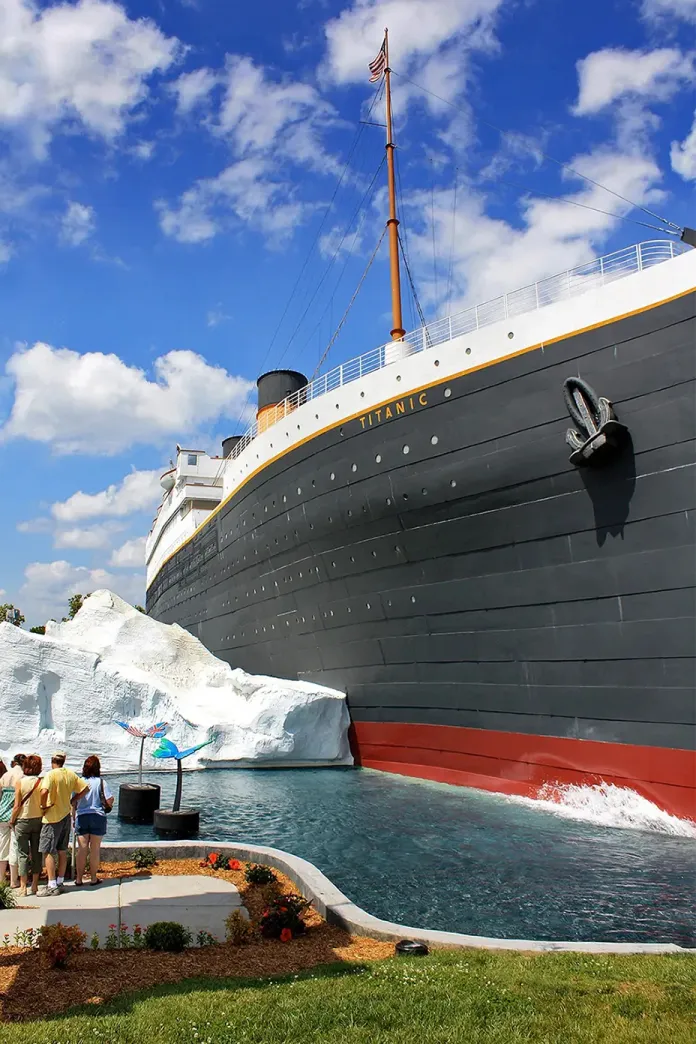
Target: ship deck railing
[596,273]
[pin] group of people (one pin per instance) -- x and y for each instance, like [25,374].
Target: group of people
[36,813]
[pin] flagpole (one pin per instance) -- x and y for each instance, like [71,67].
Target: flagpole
[392,224]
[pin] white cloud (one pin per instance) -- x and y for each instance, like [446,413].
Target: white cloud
[130,555]
[143,150]
[613,74]
[216,316]
[138,491]
[95,403]
[77,224]
[268,124]
[85,61]
[193,89]
[683,155]
[492,256]
[48,586]
[658,10]
[87,538]
[432,41]
[5,252]
[245,191]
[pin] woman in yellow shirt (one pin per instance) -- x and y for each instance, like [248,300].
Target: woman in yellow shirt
[26,819]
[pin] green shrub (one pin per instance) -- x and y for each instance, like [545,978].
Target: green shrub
[238,930]
[283,918]
[167,935]
[144,858]
[58,942]
[7,897]
[259,875]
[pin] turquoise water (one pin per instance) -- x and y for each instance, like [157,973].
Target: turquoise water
[435,856]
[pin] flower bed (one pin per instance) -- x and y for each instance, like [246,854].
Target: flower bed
[29,988]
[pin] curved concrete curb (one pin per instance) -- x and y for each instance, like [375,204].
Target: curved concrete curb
[337,909]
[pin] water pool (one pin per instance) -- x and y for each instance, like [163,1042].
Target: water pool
[436,856]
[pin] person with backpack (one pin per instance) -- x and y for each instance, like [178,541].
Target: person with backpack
[90,810]
[26,820]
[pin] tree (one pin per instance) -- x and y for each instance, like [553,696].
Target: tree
[8,607]
[75,604]
[38,630]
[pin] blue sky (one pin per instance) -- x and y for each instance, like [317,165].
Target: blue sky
[169,170]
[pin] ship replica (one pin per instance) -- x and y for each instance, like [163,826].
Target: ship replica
[482,532]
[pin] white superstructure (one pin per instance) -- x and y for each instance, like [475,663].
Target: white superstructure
[605,289]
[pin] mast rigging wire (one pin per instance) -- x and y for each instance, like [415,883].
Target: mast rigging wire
[350,304]
[335,255]
[575,203]
[421,316]
[546,155]
[354,144]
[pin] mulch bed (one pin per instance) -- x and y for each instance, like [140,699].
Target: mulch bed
[31,990]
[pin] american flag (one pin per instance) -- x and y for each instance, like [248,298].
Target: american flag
[379,64]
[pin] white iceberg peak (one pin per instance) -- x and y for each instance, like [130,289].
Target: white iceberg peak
[111,662]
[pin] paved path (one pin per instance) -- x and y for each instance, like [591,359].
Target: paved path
[200,903]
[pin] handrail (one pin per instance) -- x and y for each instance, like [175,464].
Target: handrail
[575,281]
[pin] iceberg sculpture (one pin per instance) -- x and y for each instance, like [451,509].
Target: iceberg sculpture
[111,663]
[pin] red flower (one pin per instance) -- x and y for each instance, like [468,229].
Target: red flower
[213,857]
[283,909]
[265,913]
[285,935]
[113,926]
[235,864]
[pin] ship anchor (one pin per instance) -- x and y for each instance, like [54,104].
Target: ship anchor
[600,434]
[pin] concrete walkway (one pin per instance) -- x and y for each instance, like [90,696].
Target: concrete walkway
[199,903]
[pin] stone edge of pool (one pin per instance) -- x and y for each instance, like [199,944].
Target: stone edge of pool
[338,909]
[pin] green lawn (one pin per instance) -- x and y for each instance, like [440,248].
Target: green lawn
[468,996]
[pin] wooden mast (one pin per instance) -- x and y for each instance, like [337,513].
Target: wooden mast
[392,224]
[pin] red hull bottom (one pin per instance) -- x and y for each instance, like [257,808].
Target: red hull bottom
[514,763]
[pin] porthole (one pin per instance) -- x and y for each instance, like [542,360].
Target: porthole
[349,609]
[397,549]
[448,392]
[354,467]
[362,395]
[406,450]
[388,501]
[285,499]
[287,434]
[511,335]
[333,476]
[338,406]
[436,363]
[424,492]
[398,376]
[434,440]
[378,458]
[331,612]
[367,605]
[340,432]
[352,558]
[468,351]
[389,602]
[313,484]
[413,598]
[350,513]
[453,483]
[299,491]
[374,554]
[333,565]
[316,416]
[330,518]
[298,427]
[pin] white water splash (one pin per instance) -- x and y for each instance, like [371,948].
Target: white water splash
[608,805]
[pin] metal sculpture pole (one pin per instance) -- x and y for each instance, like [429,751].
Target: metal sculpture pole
[153,732]
[167,749]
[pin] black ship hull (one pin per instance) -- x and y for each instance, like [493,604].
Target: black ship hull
[496,616]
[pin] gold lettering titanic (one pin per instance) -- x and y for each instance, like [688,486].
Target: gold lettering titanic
[394,409]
